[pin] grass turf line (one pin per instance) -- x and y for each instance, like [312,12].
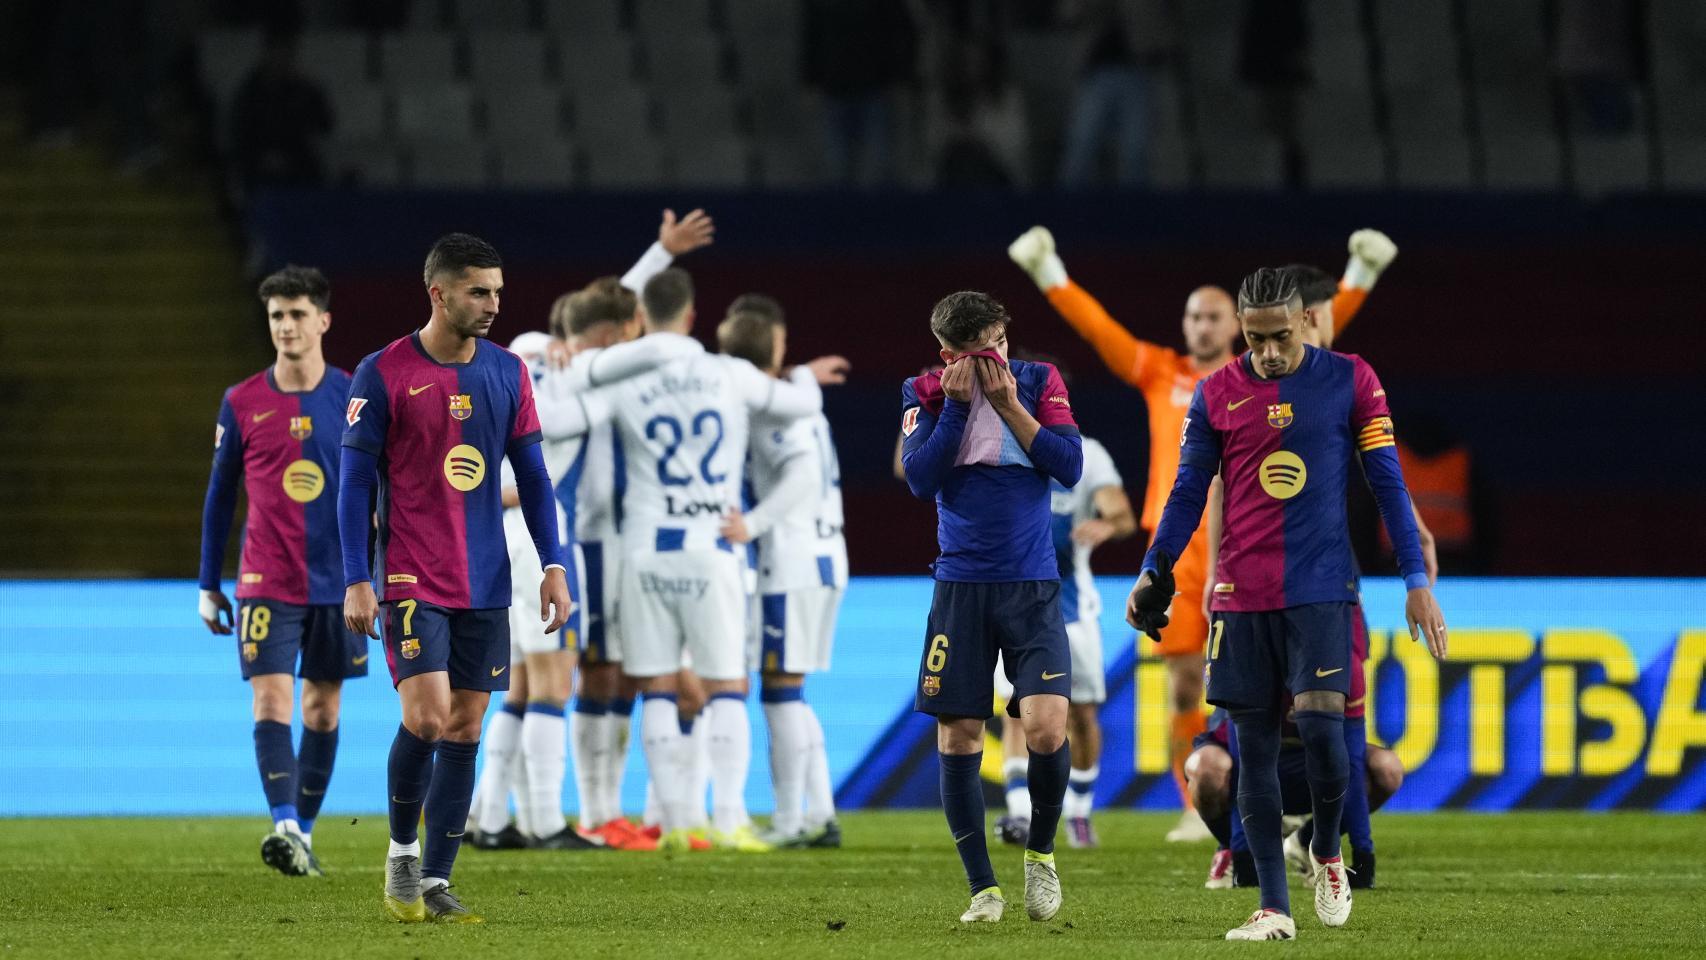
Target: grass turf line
[1451,885]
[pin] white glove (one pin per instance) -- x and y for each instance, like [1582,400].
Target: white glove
[1034,253]
[213,604]
[1371,253]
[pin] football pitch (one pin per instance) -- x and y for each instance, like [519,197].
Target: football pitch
[1450,885]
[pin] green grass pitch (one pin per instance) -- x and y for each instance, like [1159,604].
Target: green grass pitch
[1451,885]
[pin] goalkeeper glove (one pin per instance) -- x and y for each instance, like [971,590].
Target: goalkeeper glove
[1371,253]
[1147,609]
[1034,253]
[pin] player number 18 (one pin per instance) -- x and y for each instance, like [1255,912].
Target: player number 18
[257,622]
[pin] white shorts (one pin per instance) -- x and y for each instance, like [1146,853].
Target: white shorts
[526,631]
[794,632]
[683,601]
[601,635]
[1089,682]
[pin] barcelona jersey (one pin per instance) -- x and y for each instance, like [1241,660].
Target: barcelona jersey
[285,446]
[441,431]
[1285,447]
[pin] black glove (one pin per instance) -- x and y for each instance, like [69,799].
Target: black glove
[1151,601]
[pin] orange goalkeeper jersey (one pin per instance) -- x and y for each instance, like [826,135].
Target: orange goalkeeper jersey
[1164,376]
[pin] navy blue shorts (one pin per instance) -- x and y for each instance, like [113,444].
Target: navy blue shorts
[596,605]
[970,624]
[1255,657]
[471,645]
[270,635]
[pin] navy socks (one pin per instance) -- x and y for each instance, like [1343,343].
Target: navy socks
[313,772]
[1259,803]
[447,802]
[962,801]
[1328,768]
[275,758]
[407,775]
[1048,774]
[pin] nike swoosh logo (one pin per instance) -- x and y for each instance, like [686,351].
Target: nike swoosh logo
[1053,676]
[772,631]
[394,799]
[959,840]
[278,776]
[1327,673]
[358,661]
[453,836]
[1230,406]
[497,671]
[257,418]
[312,793]
[415,390]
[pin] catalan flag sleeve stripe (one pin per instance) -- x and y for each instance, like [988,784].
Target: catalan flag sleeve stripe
[1375,434]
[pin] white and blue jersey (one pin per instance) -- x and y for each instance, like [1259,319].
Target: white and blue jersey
[1069,508]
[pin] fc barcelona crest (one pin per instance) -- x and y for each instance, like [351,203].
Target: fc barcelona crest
[251,650]
[1279,415]
[301,428]
[461,406]
[932,685]
[410,648]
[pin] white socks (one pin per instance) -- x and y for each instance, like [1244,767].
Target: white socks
[790,754]
[491,796]
[730,737]
[820,792]
[698,769]
[668,760]
[1015,771]
[542,741]
[587,737]
[403,849]
[617,727]
[1081,791]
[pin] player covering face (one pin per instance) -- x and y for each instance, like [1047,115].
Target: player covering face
[1282,424]
[983,437]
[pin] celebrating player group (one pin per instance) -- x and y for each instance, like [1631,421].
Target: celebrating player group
[606,514]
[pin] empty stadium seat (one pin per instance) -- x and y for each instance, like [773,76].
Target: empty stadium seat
[790,163]
[1521,161]
[368,163]
[764,18]
[592,63]
[1601,165]
[419,58]
[440,110]
[1434,163]
[516,113]
[1680,111]
[442,163]
[768,63]
[1169,166]
[1506,109]
[655,18]
[624,163]
[1415,113]
[722,164]
[617,113]
[1253,162]
[1345,163]
[681,62]
[479,15]
[706,113]
[537,163]
[1507,41]
[1683,165]
[500,60]
[583,18]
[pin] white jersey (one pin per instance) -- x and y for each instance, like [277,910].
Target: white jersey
[1078,598]
[800,543]
[684,433]
[598,473]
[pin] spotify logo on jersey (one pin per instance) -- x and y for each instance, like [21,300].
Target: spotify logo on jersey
[303,481]
[1283,474]
[464,467]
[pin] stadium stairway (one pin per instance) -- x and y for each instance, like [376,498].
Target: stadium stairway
[125,317]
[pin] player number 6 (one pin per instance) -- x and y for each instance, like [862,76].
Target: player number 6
[938,656]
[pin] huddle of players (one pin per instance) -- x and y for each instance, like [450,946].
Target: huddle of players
[1283,601]
[407,500]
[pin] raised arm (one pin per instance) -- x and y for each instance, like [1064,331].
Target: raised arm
[623,360]
[675,238]
[1371,253]
[1129,358]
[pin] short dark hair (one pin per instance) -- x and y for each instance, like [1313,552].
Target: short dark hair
[749,335]
[1268,287]
[604,300]
[456,252]
[758,303]
[1313,283]
[959,319]
[667,295]
[294,281]
[1033,356]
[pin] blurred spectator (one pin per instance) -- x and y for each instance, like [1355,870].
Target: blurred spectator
[279,119]
[977,122]
[859,53]
[1273,61]
[1112,103]
[1596,59]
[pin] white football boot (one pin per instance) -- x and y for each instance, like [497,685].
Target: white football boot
[1042,886]
[1332,892]
[1265,925]
[986,907]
